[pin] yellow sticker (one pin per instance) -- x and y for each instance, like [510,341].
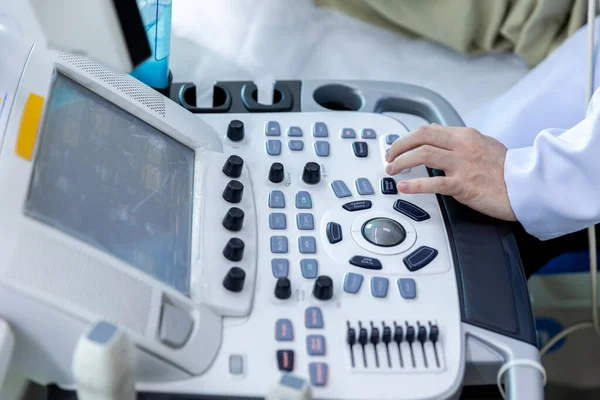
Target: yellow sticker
[30,121]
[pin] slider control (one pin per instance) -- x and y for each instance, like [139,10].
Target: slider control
[434,334]
[398,336]
[374,341]
[410,338]
[422,338]
[386,338]
[351,340]
[363,340]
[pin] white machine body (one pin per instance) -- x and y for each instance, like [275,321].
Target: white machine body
[113,208]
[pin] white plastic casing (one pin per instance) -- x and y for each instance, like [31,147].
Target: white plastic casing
[53,287]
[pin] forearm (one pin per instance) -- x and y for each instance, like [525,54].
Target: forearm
[554,185]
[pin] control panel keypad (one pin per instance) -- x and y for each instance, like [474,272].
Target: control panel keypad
[309,268]
[321,148]
[307,245]
[296,145]
[279,244]
[280,267]
[277,221]
[303,200]
[305,221]
[273,147]
[276,199]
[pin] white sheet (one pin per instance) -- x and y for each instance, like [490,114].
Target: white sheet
[264,40]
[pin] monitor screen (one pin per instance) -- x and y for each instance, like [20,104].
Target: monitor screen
[106,177]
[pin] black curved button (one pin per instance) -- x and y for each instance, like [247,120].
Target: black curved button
[357,205]
[420,258]
[365,262]
[410,210]
[334,232]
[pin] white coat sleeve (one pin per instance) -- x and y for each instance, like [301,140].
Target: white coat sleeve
[554,185]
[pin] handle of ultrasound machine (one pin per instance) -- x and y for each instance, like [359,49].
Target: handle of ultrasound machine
[503,308]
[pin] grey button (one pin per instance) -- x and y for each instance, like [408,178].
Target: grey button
[294,131]
[315,345]
[309,268]
[307,245]
[389,139]
[236,364]
[276,199]
[363,187]
[368,134]
[340,189]
[292,381]
[303,200]
[272,128]
[352,282]
[348,133]
[283,330]
[318,373]
[280,267]
[273,147]
[379,287]
[322,148]
[277,221]
[175,326]
[320,130]
[313,318]
[102,332]
[408,288]
[296,145]
[305,221]
[279,244]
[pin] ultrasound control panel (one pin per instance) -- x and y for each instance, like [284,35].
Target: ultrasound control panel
[355,285]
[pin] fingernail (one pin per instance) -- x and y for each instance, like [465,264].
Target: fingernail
[402,186]
[388,169]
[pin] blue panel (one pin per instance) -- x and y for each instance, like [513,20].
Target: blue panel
[277,221]
[315,345]
[313,318]
[272,128]
[279,244]
[320,130]
[318,373]
[309,268]
[363,187]
[348,133]
[280,267]
[307,245]
[303,200]
[340,189]
[407,287]
[296,145]
[305,221]
[276,199]
[322,148]
[292,381]
[283,330]
[102,332]
[352,282]
[379,287]
[273,147]
[294,131]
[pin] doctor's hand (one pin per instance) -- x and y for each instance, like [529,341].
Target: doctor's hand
[473,164]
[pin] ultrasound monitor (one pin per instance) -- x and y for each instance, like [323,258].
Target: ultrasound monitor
[108,178]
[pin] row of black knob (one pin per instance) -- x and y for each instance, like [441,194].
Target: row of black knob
[234,165]
[322,289]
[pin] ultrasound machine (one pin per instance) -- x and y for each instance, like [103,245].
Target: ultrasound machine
[158,249]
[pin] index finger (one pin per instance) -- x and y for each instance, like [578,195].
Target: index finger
[434,135]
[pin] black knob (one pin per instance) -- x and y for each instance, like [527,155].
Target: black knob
[234,249]
[434,333]
[276,172]
[386,336]
[311,173]
[234,280]
[283,288]
[233,166]
[233,191]
[234,219]
[323,288]
[235,130]
[421,334]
